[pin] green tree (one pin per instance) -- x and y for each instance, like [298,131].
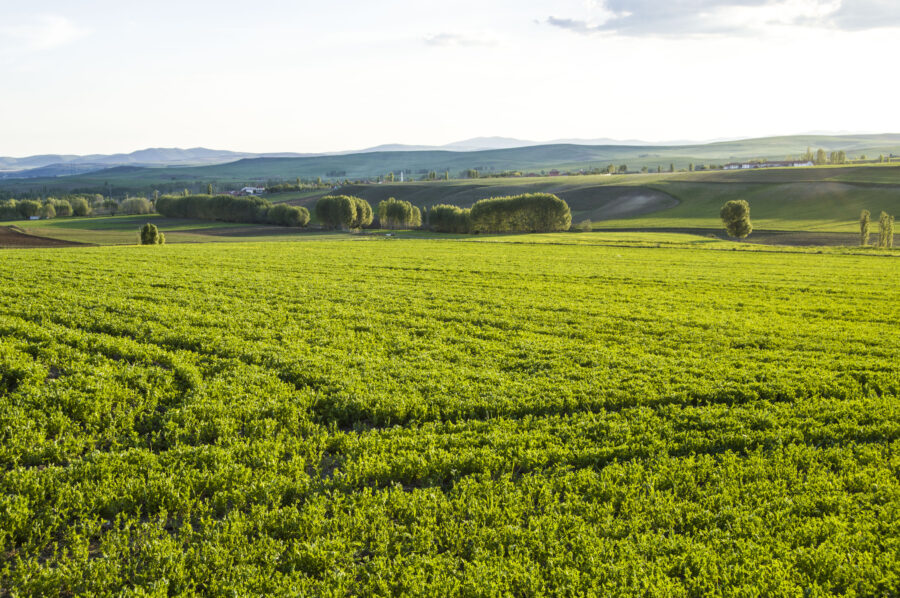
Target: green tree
[209,189]
[735,216]
[390,177]
[47,211]
[864,220]
[449,219]
[150,235]
[136,205]
[885,231]
[285,215]
[691,167]
[28,208]
[623,168]
[585,226]
[80,206]
[63,208]
[446,175]
[671,167]
[343,211]
[821,157]
[394,213]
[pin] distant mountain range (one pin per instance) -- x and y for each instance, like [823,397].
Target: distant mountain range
[55,165]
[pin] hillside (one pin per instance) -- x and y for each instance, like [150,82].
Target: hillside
[801,199]
[537,159]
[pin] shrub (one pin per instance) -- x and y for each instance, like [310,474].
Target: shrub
[150,235]
[532,212]
[736,218]
[585,226]
[136,205]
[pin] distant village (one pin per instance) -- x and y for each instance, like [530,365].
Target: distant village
[767,164]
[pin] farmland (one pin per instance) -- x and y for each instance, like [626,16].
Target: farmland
[430,417]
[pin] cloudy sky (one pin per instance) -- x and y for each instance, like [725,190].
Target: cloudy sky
[282,75]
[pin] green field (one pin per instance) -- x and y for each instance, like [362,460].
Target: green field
[441,418]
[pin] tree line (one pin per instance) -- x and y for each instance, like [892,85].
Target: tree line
[531,212]
[227,208]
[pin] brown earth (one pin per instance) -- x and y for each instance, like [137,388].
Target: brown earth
[13,237]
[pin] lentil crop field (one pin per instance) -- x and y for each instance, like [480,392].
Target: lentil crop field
[443,418]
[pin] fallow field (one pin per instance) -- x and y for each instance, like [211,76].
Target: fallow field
[429,418]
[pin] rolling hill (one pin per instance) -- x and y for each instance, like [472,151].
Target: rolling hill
[367,164]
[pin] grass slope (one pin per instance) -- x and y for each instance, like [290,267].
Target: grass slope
[453,419]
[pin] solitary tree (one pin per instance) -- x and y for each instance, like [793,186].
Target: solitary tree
[821,157]
[209,189]
[671,167]
[886,230]
[736,218]
[864,220]
[150,235]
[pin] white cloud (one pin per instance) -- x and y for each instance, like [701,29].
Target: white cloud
[40,34]
[460,39]
[727,17]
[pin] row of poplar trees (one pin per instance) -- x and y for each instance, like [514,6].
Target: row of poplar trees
[885,229]
[533,212]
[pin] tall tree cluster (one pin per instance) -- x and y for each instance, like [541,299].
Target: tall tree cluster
[344,211]
[394,213]
[531,212]
[449,219]
[227,208]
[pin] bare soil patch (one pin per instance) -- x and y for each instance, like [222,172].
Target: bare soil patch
[14,237]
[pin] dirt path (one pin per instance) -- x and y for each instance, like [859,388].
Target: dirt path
[14,238]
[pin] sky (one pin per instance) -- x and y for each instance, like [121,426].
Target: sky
[104,76]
